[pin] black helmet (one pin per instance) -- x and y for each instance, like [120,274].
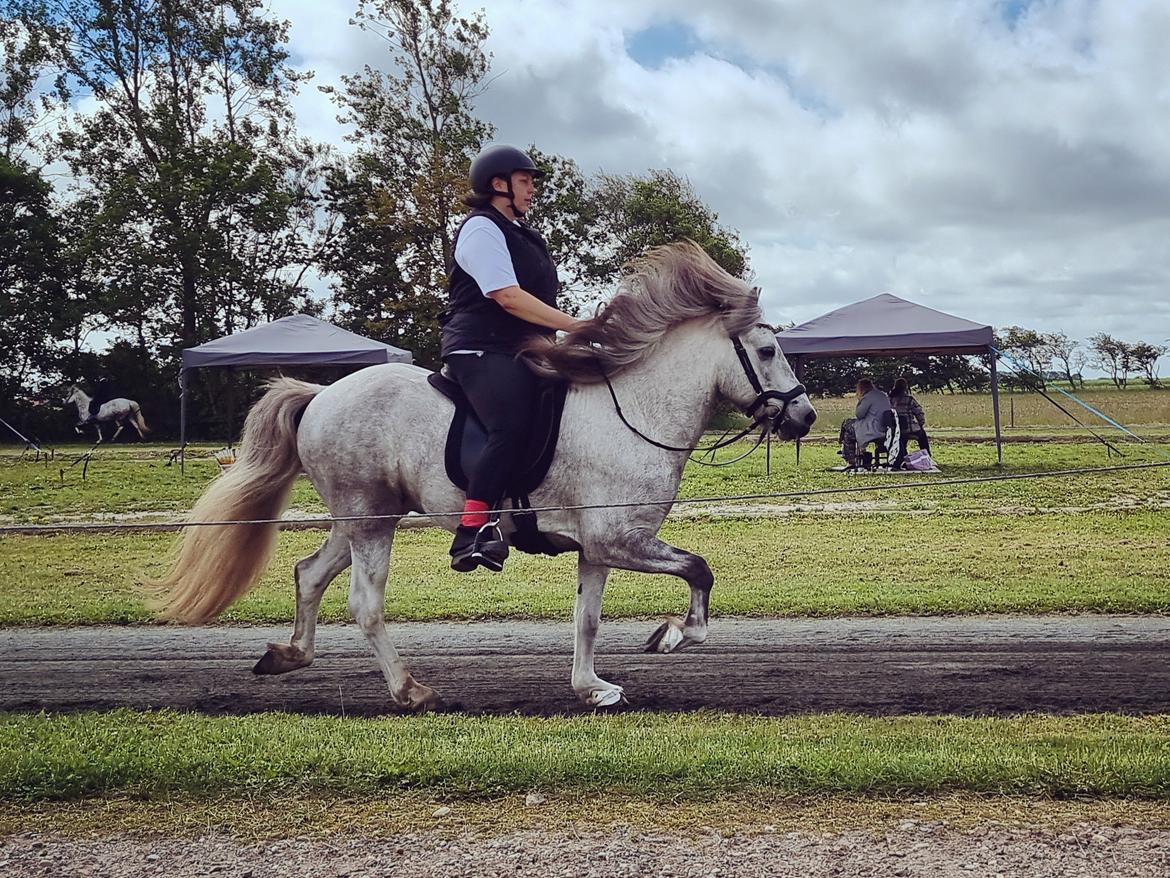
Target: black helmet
[499,161]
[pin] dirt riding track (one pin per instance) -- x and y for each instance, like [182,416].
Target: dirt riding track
[968,665]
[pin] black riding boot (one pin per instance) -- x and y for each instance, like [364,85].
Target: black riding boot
[478,547]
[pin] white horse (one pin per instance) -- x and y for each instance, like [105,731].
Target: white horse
[123,411]
[680,335]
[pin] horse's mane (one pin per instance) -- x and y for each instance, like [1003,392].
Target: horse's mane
[666,286]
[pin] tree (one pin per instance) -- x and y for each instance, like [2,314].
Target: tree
[199,223]
[27,54]
[838,376]
[638,212]
[31,311]
[1112,355]
[568,215]
[1144,358]
[397,199]
[31,306]
[1066,352]
[1028,356]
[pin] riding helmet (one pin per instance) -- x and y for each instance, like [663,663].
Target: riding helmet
[499,161]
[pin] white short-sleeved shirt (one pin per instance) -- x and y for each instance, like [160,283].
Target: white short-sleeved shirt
[482,252]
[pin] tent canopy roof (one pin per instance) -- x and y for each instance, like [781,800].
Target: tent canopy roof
[298,340]
[884,325]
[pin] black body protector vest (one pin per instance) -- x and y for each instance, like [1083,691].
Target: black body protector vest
[472,321]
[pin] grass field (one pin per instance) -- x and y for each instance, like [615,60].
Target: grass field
[1090,543]
[818,565]
[158,754]
[1132,407]
[121,485]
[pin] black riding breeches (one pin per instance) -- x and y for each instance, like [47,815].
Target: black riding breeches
[502,392]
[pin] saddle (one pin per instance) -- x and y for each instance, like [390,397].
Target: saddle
[467,437]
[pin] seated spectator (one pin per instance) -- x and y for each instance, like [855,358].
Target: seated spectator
[911,417]
[866,426]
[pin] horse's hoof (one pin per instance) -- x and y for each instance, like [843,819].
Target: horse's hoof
[667,637]
[604,698]
[422,699]
[432,703]
[280,659]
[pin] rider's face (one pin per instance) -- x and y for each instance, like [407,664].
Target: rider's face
[523,188]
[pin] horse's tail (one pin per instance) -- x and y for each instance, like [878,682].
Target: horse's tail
[217,564]
[139,421]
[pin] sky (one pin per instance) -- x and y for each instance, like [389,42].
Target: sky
[1007,162]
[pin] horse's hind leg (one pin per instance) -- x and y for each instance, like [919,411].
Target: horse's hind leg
[370,549]
[117,431]
[313,575]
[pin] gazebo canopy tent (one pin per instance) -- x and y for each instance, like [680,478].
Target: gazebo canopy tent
[297,340]
[886,325]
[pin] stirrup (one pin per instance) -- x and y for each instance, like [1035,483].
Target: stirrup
[487,550]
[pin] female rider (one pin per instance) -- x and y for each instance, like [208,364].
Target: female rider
[503,290]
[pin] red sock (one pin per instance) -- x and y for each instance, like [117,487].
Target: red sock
[474,513]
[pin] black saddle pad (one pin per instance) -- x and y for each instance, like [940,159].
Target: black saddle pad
[467,437]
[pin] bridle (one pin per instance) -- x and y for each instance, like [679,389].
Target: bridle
[763,397]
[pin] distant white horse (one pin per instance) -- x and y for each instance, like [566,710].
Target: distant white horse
[123,411]
[680,335]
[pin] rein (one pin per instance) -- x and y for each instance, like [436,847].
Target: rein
[721,444]
[762,398]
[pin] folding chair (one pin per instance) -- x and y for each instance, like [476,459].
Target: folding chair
[887,451]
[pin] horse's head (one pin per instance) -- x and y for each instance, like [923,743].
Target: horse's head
[758,379]
[72,395]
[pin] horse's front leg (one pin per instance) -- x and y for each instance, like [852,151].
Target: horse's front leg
[114,438]
[642,551]
[589,687]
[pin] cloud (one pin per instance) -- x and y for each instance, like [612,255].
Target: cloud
[1005,161]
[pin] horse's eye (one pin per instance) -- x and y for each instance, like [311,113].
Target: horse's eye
[767,353]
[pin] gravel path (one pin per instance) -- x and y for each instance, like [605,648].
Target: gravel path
[931,850]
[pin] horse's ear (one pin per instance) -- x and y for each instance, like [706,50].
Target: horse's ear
[756,293]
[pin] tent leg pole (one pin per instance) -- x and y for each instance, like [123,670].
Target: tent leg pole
[995,408]
[183,422]
[798,371]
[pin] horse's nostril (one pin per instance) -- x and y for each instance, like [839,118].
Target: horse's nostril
[810,418]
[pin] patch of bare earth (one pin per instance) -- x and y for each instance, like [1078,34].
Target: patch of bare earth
[909,849]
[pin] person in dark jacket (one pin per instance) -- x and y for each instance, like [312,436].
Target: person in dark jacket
[503,289]
[911,417]
[103,392]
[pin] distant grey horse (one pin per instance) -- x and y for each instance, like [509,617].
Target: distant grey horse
[680,335]
[121,411]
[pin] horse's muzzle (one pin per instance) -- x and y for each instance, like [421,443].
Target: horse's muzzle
[790,427]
